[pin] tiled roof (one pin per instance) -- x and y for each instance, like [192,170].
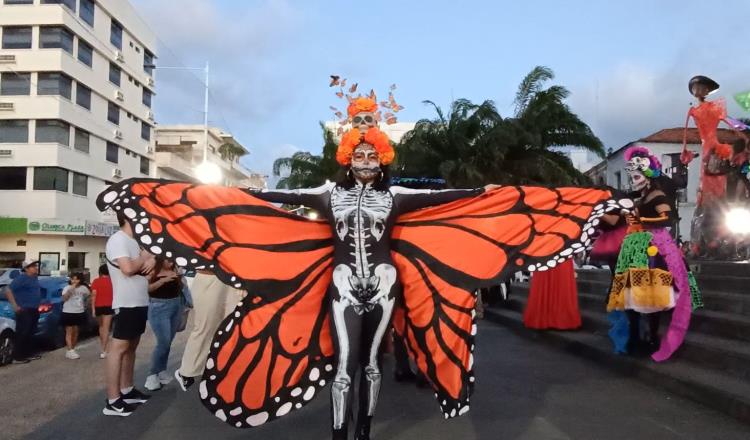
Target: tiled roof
[674,136]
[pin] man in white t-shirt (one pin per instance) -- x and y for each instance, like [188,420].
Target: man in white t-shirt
[128,268]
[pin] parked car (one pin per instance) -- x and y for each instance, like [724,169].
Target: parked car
[7,274]
[7,330]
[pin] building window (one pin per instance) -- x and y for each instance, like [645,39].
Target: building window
[80,184]
[148,62]
[618,180]
[115,74]
[54,83]
[113,152]
[87,11]
[71,4]
[14,84]
[85,53]
[52,130]
[17,37]
[51,178]
[82,140]
[113,113]
[145,165]
[12,178]
[145,131]
[147,95]
[19,2]
[83,96]
[115,35]
[14,131]
[56,37]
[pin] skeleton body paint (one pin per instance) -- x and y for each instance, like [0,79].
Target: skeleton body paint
[365,282]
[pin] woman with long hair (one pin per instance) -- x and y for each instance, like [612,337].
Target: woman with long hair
[74,312]
[164,315]
[101,300]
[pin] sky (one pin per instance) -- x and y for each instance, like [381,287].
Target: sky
[626,64]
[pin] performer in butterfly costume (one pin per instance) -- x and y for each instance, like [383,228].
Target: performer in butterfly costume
[321,293]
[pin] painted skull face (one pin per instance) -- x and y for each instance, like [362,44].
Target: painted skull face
[363,121]
[636,167]
[365,163]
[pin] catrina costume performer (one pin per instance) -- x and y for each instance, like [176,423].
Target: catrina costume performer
[322,293]
[651,275]
[715,160]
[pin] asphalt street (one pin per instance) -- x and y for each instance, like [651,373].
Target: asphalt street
[525,390]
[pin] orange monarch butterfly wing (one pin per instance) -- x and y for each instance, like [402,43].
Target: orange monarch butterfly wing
[334,80]
[274,352]
[443,254]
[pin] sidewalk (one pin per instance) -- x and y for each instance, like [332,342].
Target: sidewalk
[34,394]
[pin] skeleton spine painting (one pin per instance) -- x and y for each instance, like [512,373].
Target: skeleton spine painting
[324,293]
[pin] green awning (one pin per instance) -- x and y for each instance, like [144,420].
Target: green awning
[12,225]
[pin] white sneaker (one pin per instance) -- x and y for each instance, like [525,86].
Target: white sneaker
[152,383]
[103,355]
[164,377]
[72,354]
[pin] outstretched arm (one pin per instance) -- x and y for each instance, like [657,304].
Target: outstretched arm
[407,199]
[687,156]
[312,197]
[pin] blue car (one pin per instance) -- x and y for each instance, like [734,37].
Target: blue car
[49,331]
[7,331]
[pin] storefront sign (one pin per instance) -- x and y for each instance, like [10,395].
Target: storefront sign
[55,226]
[11,225]
[96,229]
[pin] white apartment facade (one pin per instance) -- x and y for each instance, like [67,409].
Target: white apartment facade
[75,115]
[180,150]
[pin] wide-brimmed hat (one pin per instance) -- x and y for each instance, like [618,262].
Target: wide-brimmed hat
[703,80]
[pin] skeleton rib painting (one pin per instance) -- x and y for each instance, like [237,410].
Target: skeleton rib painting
[323,293]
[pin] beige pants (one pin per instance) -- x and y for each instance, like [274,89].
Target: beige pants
[212,302]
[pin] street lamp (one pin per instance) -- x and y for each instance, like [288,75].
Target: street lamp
[207,172]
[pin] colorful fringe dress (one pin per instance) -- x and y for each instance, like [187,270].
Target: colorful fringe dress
[651,276]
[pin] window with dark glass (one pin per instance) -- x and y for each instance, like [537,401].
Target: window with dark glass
[147,95]
[83,96]
[15,83]
[51,178]
[82,140]
[145,165]
[85,53]
[15,131]
[80,184]
[71,4]
[115,34]
[54,83]
[145,131]
[56,37]
[17,37]
[148,62]
[52,130]
[18,2]
[87,11]
[113,113]
[113,151]
[12,178]
[115,74]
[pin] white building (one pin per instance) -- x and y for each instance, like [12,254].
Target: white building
[667,146]
[75,115]
[180,149]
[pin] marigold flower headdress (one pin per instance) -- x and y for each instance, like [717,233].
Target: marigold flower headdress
[373,136]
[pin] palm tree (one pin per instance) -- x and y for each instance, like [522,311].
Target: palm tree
[474,145]
[307,170]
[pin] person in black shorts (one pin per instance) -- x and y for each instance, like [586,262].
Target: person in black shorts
[74,312]
[128,265]
[101,299]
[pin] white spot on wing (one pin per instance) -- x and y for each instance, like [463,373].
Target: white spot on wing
[296,392]
[284,409]
[129,212]
[235,412]
[257,419]
[180,261]
[220,414]
[110,197]
[309,394]
[203,390]
[314,374]
[210,363]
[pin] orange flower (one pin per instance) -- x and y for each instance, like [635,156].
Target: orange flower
[361,104]
[374,137]
[724,151]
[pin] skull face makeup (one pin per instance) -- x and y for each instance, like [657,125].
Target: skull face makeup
[363,121]
[365,163]
[637,180]
[639,169]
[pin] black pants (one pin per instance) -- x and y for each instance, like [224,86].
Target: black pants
[26,322]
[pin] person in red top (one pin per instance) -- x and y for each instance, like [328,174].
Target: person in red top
[101,292]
